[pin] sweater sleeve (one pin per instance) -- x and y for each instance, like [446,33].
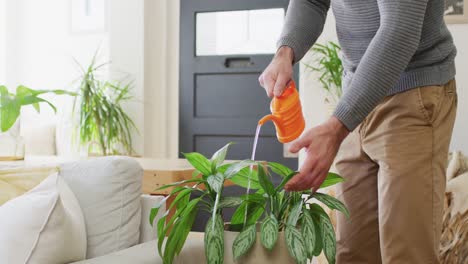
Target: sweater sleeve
[385,59]
[303,25]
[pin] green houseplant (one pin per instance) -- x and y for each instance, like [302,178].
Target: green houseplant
[11,143]
[306,228]
[328,64]
[104,126]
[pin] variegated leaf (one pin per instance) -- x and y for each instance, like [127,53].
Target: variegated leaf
[216,182]
[332,202]
[229,202]
[295,244]
[214,241]
[218,158]
[295,213]
[328,238]
[308,233]
[269,232]
[244,242]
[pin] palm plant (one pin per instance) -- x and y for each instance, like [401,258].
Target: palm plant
[103,120]
[308,229]
[329,65]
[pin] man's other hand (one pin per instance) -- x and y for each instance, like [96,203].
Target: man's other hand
[321,144]
[278,73]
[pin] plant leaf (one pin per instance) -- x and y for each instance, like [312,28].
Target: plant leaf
[214,241]
[254,212]
[244,241]
[230,201]
[269,232]
[199,162]
[280,169]
[242,179]
[332,179]
[218,157]
[285,180]
[179,183]
[216,182]
[308,233]
[294,214]
[236,167]
[153,213]
[332,202]
[264,181]
[328,238]
[295,243]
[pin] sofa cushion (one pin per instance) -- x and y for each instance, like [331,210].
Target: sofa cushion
[43,226]
[108,190]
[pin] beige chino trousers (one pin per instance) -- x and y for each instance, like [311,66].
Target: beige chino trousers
[394,165]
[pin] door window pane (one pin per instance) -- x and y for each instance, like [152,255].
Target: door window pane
[238,32]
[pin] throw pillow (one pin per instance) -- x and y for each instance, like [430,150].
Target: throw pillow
[43,226]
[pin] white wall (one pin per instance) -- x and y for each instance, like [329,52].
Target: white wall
[161,78]
[460,138]
[2,43]
[313,98]
[126,54]
[40,47]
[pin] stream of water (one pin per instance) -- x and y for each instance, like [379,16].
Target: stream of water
[254,149]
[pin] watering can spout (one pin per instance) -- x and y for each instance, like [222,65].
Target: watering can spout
[269,118]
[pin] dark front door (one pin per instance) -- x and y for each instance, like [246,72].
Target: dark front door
[224,47]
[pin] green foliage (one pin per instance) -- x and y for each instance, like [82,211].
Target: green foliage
[244,241]
[295,243]
[328,64]
[308,230]
[10,103]
[214,241]
[269,232]
[102,119]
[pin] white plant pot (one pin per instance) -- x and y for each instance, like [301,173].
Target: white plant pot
[12,144]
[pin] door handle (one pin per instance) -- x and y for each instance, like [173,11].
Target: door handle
[238,62]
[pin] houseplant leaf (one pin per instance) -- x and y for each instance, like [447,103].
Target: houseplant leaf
[236,167]
[295,243]
[214,241]
[269,232]
[199,162]
[332,202]
[230,201]
[218,157]
[308,233]
[216,182]
[285,180]
[294,213]
[280,169]
[331,179]
[254,212]
[328,238]
[244,241]
[243,177]
[264,181]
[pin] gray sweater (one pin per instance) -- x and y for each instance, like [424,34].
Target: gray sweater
[388,47]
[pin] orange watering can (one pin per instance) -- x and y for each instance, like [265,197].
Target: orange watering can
[286,114]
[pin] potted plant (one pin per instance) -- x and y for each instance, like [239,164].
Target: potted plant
[286,227]
[104,126]
[329,65]
[11,143]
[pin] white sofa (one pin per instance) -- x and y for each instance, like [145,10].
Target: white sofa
[116,214]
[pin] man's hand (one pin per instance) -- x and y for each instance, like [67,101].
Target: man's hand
[321,144]
[278,73]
